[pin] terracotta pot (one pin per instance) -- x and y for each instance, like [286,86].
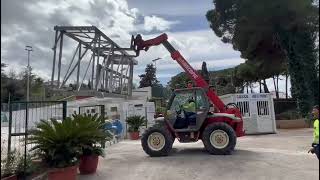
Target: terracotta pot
[12,177]
[88,164]
[67,173]
[134,135]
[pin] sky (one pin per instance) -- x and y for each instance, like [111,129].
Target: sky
[31,22]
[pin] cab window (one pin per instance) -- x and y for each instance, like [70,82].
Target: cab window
[181,98]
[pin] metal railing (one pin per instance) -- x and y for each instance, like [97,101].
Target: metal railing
[22,117]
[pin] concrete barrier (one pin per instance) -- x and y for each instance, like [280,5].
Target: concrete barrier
[292,124]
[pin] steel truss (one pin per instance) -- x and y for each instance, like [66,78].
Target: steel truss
[111,65]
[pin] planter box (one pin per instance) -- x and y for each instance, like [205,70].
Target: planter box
[292,124]
[41,176]
[88,164]
[13,177]
[67,173]
[134,135]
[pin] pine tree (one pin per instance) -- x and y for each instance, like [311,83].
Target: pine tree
[204,72]
[149,77]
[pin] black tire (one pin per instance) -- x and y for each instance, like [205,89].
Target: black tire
[227,129]
[168,142]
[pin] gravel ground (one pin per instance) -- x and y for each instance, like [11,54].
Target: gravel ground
[261,157]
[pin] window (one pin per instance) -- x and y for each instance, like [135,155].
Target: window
[244,108]
[114,109]
[262,107]
[93,111]
[200,100]
[180,99]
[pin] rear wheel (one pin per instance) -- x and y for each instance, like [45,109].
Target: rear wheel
[219,139]
[157,141]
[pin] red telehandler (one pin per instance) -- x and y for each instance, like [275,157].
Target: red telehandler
[218,130]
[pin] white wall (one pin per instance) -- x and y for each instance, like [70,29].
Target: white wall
[142,93]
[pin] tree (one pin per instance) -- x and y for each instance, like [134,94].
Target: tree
[149,78]
[3,82]
[222,81]
[204,72]
[285,35]
[3,65]
[179,81]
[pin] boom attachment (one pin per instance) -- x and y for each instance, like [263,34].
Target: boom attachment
[140,44]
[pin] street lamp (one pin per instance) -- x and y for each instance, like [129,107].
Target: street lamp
[155,62]
[29,49]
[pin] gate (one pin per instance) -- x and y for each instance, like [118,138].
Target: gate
[24,116]
[257,111]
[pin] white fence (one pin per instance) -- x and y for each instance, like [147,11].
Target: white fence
[257,111]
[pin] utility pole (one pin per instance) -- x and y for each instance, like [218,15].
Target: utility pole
[29,49]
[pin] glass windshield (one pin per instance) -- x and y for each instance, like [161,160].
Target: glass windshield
[181,98]
[200,100]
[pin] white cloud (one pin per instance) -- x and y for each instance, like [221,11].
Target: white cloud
[156,23]
[35,26]
[195,46]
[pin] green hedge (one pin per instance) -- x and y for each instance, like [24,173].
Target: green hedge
[288,115]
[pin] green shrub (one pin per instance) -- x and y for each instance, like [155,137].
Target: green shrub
[57,142]
[161,110]
[14,164]
[135,122]
[61,143]
[288,115]
[94,124]
[9,164]
[29,169]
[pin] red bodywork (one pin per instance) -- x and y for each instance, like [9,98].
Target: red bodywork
[199,81]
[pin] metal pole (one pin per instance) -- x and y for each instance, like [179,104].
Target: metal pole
[28,48]
[28,78]
[10,129]
[54,57]
[60,56]
[64,110]
[26,137]
[78,72]
[130,79]
[155,62]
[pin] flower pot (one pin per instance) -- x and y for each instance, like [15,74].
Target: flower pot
[68,173]
[88,164]
[12,177]
[134,135]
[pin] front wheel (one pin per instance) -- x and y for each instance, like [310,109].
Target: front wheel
[157,141]
[219,139]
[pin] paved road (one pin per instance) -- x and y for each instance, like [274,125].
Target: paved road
[263,157]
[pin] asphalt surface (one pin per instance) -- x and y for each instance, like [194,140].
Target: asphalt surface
[281,156]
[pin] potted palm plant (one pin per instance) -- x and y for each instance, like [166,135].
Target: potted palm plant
[57,144]
[134,123]
[89,142]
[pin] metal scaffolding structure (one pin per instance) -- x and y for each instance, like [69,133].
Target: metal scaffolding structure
[111,66]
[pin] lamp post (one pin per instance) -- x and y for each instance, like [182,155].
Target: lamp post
[29,49]
[155,62]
